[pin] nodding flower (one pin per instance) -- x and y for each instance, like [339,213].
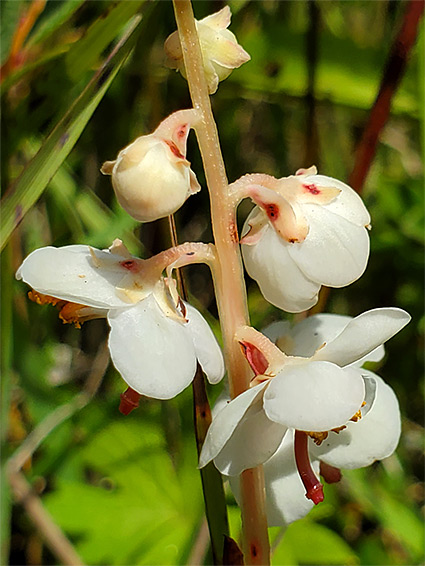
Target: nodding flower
[306,230]
[151,177]
[221,52]
[156,339]
[313,405]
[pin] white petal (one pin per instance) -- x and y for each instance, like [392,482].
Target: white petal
[219,20]
[280,280]
[348,204]
[207,349]
[222,400]
[335,251]
[363,334]
[154,354]
[224,424]
[276,330]
[69,273]
[153,188]
[314,396]
[253,442]
[285,494]
[312,332]
[373,437]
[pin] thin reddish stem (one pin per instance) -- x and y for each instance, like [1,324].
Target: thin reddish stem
[394,69]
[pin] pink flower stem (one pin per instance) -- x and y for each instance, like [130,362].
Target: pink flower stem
[228,276]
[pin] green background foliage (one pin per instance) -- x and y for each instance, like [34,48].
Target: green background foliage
[125,490]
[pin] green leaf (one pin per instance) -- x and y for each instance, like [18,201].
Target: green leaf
[395,516]
[35,177]
[135,509]
[282,49]
[310,543]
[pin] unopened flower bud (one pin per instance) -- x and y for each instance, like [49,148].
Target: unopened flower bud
[221,52]
[152,177]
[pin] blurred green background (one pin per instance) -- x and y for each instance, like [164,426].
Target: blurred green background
[126,490]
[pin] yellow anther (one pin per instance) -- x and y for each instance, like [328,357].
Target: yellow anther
[318,437]
[338,429]
[69,313]
[357,416]
[41,299]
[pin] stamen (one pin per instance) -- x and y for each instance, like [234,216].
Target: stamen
[314,489]
[69,313]
[129,401]
[318,437]
[358,415]
[338,429]
[41,299]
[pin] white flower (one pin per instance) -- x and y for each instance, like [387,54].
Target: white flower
[221,52]
[155,339]
[151,176]
[324,393]
[307,230]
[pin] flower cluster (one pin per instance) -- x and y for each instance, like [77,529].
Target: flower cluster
[311,407]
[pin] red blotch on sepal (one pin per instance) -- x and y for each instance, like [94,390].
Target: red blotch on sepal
[272,211]
[312,188]
[130,264]
[174,149]
[256,359]
[182,131]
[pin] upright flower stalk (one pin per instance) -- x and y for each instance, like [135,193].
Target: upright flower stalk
[301,405]
[230,287]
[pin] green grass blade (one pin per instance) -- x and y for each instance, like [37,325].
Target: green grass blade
[6,337]
[9,18]
[37,174]
[49,24]
[89,48]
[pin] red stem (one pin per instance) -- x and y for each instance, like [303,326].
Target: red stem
[394,69]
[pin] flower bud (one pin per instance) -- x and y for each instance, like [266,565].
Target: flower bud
[221,52]
[151,176]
